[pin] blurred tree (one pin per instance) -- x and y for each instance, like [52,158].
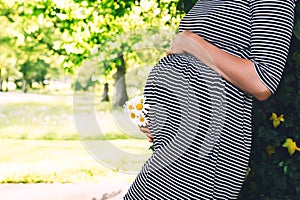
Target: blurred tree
[30,35]
[106,26]
[73,28]
[7,57]
[105,96]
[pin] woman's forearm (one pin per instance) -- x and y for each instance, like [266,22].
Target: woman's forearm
[238,71]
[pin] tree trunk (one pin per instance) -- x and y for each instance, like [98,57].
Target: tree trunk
[24,86]
[105,93]
[30,84]
[1,82]
[6,89]
[120,84]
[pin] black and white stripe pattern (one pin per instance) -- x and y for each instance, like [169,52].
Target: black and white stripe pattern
[201,124]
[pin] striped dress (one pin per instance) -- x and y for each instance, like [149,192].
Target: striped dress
[201,123]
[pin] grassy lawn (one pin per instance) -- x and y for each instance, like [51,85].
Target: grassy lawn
[39,142]
[50,117]
[40,161]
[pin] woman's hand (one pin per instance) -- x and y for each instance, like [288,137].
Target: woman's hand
[177,44]
[145,129]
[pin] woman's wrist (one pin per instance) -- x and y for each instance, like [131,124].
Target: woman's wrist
[198,47]
[191,43]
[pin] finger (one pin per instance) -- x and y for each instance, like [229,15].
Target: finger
[145,130]
[169,52]
[149,135]
[145,126]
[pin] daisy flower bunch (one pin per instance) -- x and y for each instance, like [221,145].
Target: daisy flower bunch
[137,110]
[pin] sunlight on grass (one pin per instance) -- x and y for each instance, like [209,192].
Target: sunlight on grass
[40,144]
[32,161]
[51,117]
[36,116]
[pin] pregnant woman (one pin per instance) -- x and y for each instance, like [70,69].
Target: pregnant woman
[200,96]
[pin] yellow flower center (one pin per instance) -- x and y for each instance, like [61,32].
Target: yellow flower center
[130,107]
[142,119]
[139,106]
[132,115]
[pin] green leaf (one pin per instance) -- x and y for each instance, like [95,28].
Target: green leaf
[38,11]
[185,5]
[297,29]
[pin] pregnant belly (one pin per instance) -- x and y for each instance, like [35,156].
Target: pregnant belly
[183,94]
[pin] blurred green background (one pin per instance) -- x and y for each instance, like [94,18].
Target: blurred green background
[55,52]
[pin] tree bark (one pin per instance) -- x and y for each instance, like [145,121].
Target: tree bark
[120,84]
[105,93]
[24,85]
[6,89]
[1,82]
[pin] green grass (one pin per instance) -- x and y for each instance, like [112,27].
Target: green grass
[37,120]
[51,117]
[39,142]
[38,161]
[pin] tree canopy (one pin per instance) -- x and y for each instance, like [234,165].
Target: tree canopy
[64,33]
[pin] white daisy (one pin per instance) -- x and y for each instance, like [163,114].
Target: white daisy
[137,110]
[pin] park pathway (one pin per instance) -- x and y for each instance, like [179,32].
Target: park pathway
[63,191]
